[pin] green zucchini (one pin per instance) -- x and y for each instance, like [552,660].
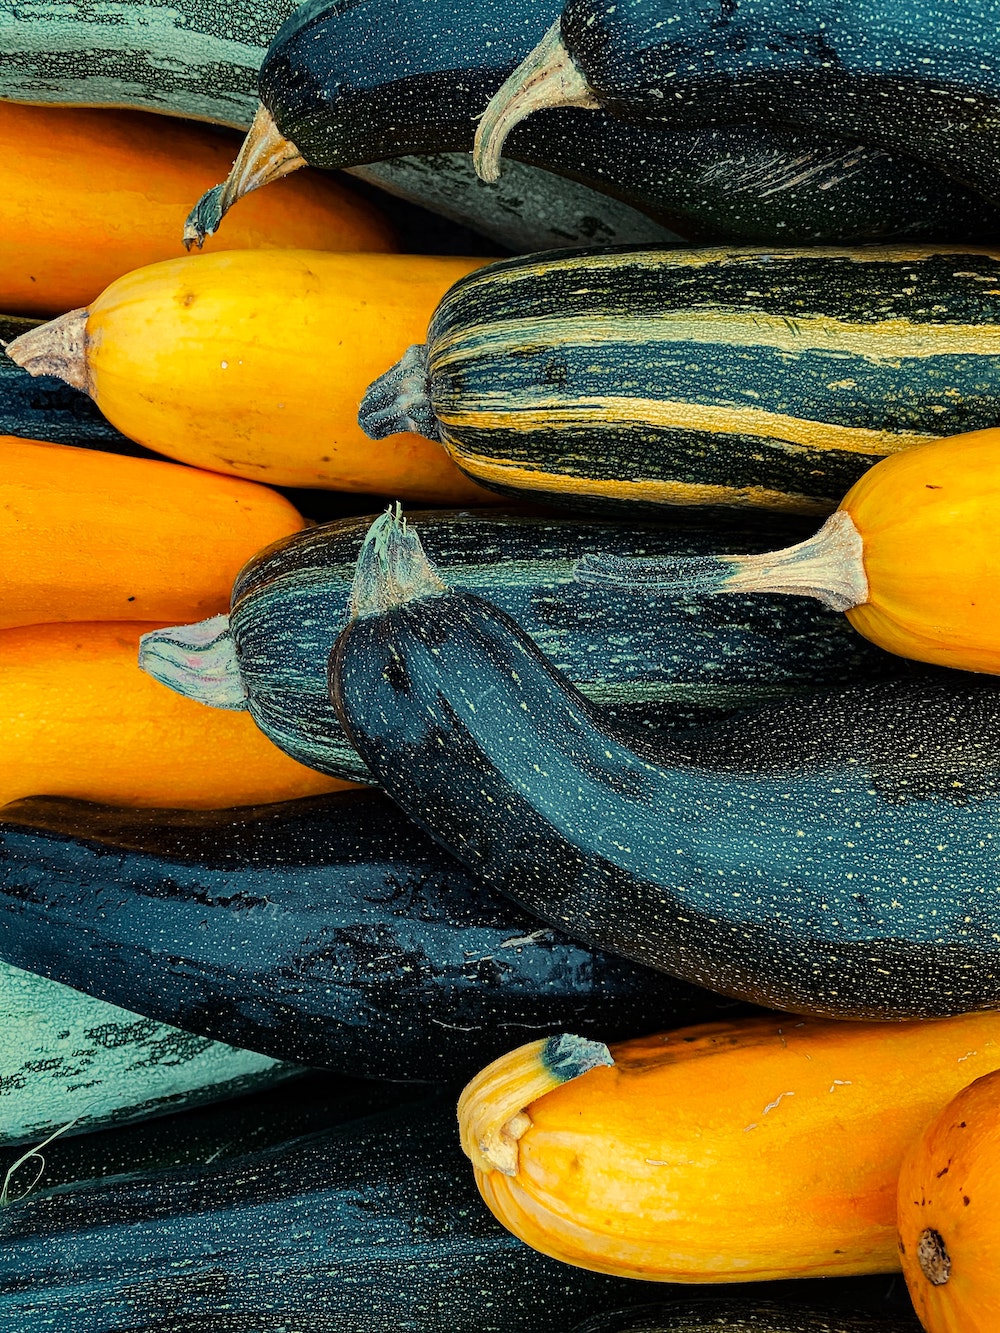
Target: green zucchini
[716,377]
[749,1314]
[200,60]
[833,854]
[68,1059]
[290,602]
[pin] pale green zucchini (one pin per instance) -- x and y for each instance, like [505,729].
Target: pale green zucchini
[67,1059]
[200,60]
[705,377]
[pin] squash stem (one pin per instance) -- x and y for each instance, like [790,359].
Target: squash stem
[828,566]
[198,661]
[58,347]
[392,568]
[266,156]
[492,1112]
[400,400]
[547,77]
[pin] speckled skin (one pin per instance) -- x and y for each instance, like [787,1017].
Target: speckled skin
[747,1314]
[834,855]
[365,1228]
[68,1059]
[917,77]
[328,931]
[359,83]
[290,603]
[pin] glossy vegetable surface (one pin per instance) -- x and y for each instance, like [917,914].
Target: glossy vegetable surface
[949,1238]
[763,1148]
[750,1314]
[899,74]
[88,195]
[373,80]
[714,377]
[78,718]
[87,535]
[824,855]
[361,1228]
[72,1060]
[331,932]
[251,363]
[290,602]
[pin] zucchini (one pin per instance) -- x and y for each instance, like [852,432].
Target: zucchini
[907,77]
[329,932]
[828,855]
[364,1227]
[747,1314]
[717,377]
[71,1059]
[290,602]
[189,59]
[46,408]
[340,86]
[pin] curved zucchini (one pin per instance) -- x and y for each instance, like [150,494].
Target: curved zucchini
[340,86]
[717,377]
[290,603]
[330,932]
[747,1314]
[828,855]
[201,61]
[365,1227]
[71,1059]
[904,76]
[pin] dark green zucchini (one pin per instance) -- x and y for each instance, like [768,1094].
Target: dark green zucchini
[753,1314]
[363,1228]
[350,84]
[71,1060]
[834,854]
[45,408]
[720,377]
[905,75]
[290,603]
[327,931]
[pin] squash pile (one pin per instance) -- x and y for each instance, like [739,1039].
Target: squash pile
[314,810]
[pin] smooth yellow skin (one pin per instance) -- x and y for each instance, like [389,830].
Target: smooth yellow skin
[950,1183]
[758,1149]
[929,519]
[254,363]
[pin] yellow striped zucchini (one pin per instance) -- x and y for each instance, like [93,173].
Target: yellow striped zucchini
[733,377]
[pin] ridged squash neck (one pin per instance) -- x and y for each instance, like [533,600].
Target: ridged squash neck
[400,400]
[198,661]
[392,568]
[59,348]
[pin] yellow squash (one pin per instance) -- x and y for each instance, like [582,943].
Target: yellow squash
[949,1214]
[761,1148]
[253,363]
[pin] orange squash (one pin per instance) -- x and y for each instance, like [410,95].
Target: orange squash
[87,195]
[911,556]
[949,1214]
[253,363]
[78,718]
[761,1148]
[86,535]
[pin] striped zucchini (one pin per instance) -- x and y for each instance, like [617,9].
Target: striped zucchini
[290,603]
[729,377]
[70,1059]
[200,60]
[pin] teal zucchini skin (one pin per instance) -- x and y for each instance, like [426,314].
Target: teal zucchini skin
[833,855]
[911,76]
[290,603]
[71,1060]
[638,379]
[362,1228]
[328,931]
[753,1313]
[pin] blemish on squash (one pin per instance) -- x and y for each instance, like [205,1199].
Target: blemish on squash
[932,1254]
